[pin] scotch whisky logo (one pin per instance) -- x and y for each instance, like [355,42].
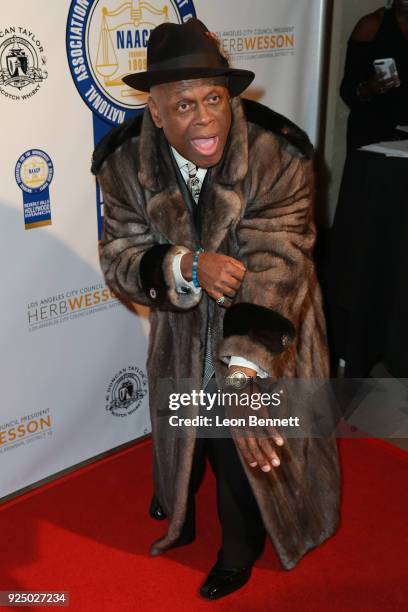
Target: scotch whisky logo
[126,391]
[22,63]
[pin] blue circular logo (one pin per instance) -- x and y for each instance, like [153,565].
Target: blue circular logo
[107,40]
[34,171]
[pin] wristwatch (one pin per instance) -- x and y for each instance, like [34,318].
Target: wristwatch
[237,379]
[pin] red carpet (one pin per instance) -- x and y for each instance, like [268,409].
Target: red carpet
[89,534]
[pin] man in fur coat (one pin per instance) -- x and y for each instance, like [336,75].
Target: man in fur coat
[205,170]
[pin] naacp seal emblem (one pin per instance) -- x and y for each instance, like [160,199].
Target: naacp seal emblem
[21,64]
[126,391]
[33,173]
[107,40]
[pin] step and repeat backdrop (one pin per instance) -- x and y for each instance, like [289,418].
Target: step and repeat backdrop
[73,376]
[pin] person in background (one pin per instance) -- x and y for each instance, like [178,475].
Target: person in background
[376,105]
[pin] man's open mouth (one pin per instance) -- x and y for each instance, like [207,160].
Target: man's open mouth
[205,146]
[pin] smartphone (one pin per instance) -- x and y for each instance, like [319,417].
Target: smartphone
[386,68]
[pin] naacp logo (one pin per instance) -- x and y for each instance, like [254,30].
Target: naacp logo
[21,63]
[34,171]
[106,40]
[126,391]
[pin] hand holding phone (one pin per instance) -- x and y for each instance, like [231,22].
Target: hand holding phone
[386,72]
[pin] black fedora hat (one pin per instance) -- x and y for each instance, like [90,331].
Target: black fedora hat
[177,52]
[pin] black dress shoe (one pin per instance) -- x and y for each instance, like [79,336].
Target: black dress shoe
[155,510]
[221,582]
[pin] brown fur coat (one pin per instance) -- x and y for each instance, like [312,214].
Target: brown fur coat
[258,209]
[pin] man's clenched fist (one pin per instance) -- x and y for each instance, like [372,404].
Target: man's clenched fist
[218,275]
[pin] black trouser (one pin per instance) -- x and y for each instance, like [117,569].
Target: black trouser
[243,532]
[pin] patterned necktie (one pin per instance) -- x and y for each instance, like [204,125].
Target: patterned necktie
[194,187]
[193,182]
[208,368]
